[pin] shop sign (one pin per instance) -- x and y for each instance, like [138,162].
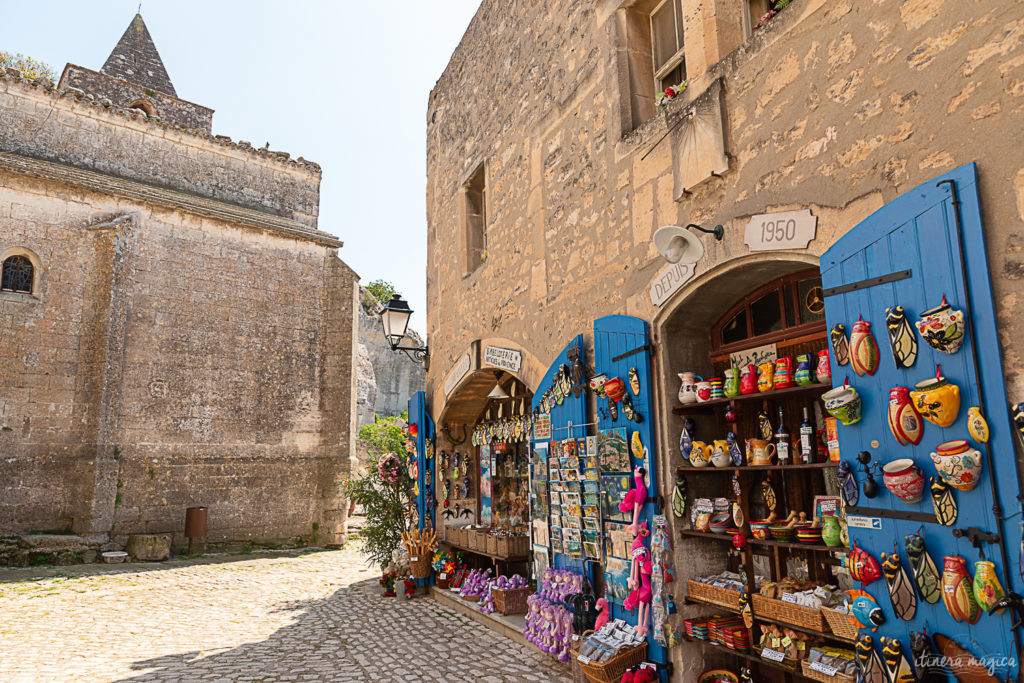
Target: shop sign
[457,372]
[542,427]
[668,281]
[762,354]
[506,359]
[861,522]
[782,230]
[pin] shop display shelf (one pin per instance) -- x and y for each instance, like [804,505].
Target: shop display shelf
[692,600]
[751,657]
[828,635]
[688,469]
[818,547]
[742,398]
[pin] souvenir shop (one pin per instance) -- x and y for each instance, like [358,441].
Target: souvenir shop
[803,468]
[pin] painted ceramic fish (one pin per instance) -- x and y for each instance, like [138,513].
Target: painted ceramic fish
[840,345]
[863,349]
[926,574]
[869,664]
[902,338]
[679,496]
[926,660]
[976,425]
[897,668]
[865,610]
[847,484]
[634,381]
[862,565]
[901,590]
[946,510]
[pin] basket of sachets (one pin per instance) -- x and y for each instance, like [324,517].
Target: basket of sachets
[722,589]
[797,602]
[607,653]
[832,665]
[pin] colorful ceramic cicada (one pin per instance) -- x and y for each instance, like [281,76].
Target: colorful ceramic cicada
[847,484]
[958,590]
[902,338]
[679,496]
[869,664]
[897,668]
[769,493]
[926,574]
[840,345]
[946,510]
[901,590]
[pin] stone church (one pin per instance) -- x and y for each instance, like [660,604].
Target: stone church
[175,330]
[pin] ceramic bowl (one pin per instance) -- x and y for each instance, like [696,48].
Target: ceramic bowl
[720,522]
[782,533]
[759,529]
[718,676]
[808,534]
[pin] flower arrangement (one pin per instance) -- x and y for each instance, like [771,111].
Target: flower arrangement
[387,580]
[670,93]
[387,467]
[773,9]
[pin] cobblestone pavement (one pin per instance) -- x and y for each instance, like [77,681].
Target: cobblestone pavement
[316,616]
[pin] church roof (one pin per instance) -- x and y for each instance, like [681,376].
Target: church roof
[136,60]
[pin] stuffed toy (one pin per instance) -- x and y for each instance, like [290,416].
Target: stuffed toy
[635,499]
[602,614]
[638,675]
[640,581]
[410,587]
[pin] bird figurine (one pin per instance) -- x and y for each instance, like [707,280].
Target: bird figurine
[603,615]
[635,498]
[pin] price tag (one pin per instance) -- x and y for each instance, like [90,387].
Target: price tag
[772,655]
[442,576]
[787,641]
[824,668]
[790,598]
[413,559]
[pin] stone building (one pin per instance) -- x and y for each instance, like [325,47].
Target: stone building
[181,334]
[553,157]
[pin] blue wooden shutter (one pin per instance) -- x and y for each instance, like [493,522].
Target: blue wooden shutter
[419,416]
[917,232]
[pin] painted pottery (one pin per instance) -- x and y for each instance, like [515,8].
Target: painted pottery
[862,565]
[987,589]
[634,381]
[843,403]
[783,376]
[863,349]
[764,426]
[904,479]
[765,376]
[824,370]
[720,453]
[942,327]
[840,344]
[703,390]
[869,664]
[963,664]
[904,422]
[958,464]
[759,529]
[768,492]
[958,591]
[901,589]
[902,339]
[760,452]
[748,379]
[946,510]
[734,450]
[803,375]
[716,388]
[731,387]
[700,456]
[614,388]
[679,496]
[936,399]
[976,425]
[831,534]
[926,574]
[865,609]
[847,484]
[897,668]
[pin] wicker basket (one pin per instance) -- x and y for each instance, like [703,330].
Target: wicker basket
[511,600]
[443,584]
[796,615]
[455,536]
[611,671]
[420,567]
[492,544]
[723,597]
[477,541]
[843,625]
[818,676]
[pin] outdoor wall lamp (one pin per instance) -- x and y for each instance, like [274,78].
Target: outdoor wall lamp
[679,244]
[395,320]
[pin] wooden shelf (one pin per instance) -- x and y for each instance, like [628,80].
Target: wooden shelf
[686,469]
[816,547]
[742,398]
[750,656]
[827,635]
[690,600]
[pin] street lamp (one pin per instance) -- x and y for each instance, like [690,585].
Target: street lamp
[395,321]
[676,244]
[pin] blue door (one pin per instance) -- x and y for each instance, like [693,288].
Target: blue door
[908,253]
[425,500]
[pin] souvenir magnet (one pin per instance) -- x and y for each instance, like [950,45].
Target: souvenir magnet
[902,338]
[863,349]
[840,345]
[926,574]
[901,590]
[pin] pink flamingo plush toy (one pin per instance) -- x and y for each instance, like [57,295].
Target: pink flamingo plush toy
[635,498]
[602,616]
[640,581]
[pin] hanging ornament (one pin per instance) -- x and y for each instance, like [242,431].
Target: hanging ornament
[870,485]
[897,668]
[926,574]
[769,493]
[946,510]
[847,484]
[904,422]
[901,590]
[863,349]
[863,567]
[869,664]
[987,589]
[734,449]
[634,381]
[637,446]
[865,609]
[679,496]
[764,425]
[840,345]
[628,410]
[942,327]
[736,490]
[686,438]
[745,610]
[976,425]
[926,660]
[958,590]
[902,338]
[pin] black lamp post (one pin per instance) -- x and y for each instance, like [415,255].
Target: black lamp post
[395,321]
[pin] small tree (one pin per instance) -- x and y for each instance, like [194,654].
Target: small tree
[30,68]
[382,291]
[385,490]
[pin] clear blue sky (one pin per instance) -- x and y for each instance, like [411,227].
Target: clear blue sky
[343,83]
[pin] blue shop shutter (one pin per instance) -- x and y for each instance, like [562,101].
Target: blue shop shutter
[621,342]
[917,232]
[419,416]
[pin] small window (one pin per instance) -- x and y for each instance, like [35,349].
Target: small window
[476,220]
[736,329]
[667,44]
[18,275]
[786,307]
[755,10]
[766,314]
[144,105]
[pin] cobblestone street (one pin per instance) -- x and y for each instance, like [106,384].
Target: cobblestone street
[315,616]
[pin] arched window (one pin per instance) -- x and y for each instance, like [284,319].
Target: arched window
[18,275]
[144,105]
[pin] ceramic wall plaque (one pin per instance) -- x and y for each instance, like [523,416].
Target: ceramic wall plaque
[902,338]
[942,327]
[863,349]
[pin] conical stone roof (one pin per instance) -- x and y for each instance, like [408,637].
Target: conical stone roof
[136,60]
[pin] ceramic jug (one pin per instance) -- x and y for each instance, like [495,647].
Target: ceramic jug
[748,380]
[824,370]
[687,393]
[700,454]
[765,376]
[958,590]
[904,422]
[732,383]
[783,376]
[987,589]
[958,464]
[936,399]
[760,452]
[703,389]
[803,375]
[720,456]
[831,534]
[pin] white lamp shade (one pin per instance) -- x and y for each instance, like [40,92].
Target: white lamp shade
[678,245]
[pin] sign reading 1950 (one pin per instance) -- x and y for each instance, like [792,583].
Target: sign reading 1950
[782,230]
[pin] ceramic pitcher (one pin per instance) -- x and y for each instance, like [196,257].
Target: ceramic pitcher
[824,370]
[831,534]
[804,374]
[783,377]
[748,379]
[765,376]
[760,452]
[687,393]
[732,383]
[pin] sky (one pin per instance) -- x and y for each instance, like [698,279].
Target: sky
[343,83]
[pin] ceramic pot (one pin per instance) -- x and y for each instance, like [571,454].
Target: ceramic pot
[615,388]
[716,388]
[863,349]
[904,479]
[803,375]
[760,452]
[942,327]
[958,590]
[843,403]
[831,533]
[687,394]
[731,387]
[703,390]
[958,464]
[904,422]
[987,589]
[720,456]
[700,454]
[936,399]
[748,380]
[765,376]
[783,377]
[824,370]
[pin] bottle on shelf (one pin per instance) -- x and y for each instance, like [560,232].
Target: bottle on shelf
[807,446]
[782,441]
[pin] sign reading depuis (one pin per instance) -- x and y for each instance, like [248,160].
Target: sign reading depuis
[506,359]
[669,280]
[458,371]
[782,230]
